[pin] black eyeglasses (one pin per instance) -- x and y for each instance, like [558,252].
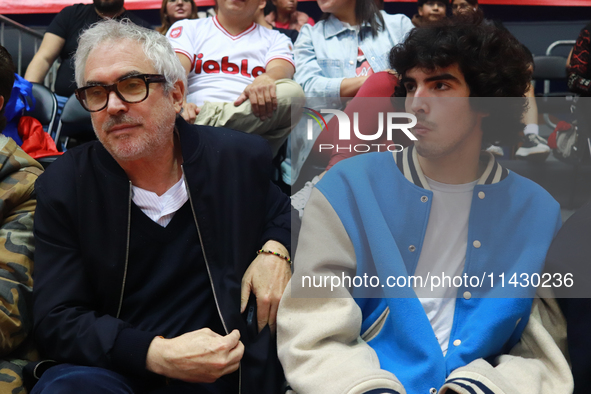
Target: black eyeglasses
[131,89]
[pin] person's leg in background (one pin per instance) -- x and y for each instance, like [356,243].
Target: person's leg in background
[378,85]
[533,146]
[275,130]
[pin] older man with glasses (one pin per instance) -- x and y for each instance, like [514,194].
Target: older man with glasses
[145,238]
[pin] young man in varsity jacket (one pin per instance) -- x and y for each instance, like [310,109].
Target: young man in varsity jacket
[440,208]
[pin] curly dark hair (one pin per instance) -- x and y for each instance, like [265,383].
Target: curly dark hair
[6,81]
[492,61]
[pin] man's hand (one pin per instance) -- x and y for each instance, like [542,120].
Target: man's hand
[263,96]
[190,112]
[197,356]
[266,277]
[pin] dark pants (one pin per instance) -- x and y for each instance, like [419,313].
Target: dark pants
[75,379]
[68,378]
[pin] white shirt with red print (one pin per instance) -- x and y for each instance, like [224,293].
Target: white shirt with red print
[222,64]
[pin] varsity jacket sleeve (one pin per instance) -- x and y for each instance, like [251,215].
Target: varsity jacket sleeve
[579,75]
[308,72]
[535,365]
[318,330]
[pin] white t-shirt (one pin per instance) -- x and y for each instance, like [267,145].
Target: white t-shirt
[444,251]
[222,65]
[162,208]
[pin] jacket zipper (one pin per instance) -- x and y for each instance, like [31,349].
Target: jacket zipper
[209,272]
[126,250]
[202,251]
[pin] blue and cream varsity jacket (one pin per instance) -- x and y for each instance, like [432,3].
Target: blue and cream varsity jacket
[368,216]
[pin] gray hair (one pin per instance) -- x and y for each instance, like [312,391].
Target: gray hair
[155,46]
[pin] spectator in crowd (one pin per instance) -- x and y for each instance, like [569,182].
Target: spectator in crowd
[336,57]
[138,288]
[260,19]
[429,210]
[239,72]
[579,71]
[569,254]
[175,10]
[287,16]
[571,246]
[372,103]
[460,6]
[61,39]
[429,12]
[18,172]
[532,145]
[579,77]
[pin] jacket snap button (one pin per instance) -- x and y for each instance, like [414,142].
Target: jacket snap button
[477,244]
[467,295]
[412,248]
[424,199]
[481,195]
[457,342]
[433,390]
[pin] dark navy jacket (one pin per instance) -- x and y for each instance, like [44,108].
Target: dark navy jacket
[82,235]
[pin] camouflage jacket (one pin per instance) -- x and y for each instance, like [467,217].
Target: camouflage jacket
[18,172]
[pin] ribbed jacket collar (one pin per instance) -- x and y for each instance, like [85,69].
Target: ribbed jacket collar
[408,163]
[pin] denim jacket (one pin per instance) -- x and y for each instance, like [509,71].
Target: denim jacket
[326,53]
